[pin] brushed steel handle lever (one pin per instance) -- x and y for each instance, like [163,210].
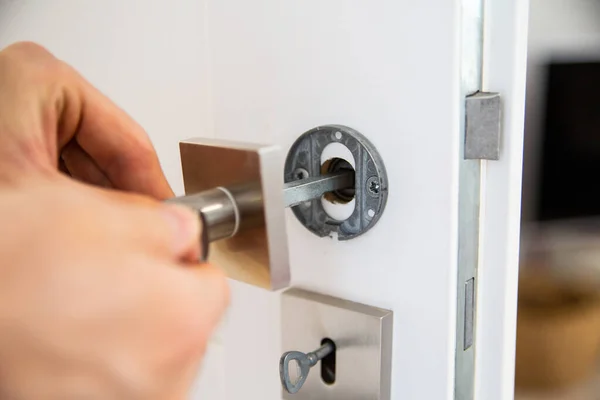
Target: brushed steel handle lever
[227,210]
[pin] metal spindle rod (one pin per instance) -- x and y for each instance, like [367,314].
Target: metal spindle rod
[297,192]
[226,210]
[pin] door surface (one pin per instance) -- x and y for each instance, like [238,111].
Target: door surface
[267,71]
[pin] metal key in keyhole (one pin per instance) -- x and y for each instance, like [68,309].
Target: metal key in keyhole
[304,362]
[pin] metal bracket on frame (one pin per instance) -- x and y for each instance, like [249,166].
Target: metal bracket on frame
[482,142]
[482,126]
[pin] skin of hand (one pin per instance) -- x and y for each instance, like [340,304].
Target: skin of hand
[100,293]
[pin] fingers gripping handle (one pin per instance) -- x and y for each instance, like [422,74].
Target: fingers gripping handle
[224,211]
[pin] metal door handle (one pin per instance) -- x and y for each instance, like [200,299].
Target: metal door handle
[227,210]
[236,188]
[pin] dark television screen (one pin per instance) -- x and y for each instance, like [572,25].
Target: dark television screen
[569,185]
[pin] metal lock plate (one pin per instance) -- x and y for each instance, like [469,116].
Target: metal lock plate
[363,342]
[258,256]
[371,185]
[482,126]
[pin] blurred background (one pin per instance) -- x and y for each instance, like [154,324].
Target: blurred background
[558,333]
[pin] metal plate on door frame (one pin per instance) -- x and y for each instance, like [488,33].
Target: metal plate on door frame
[371,184]
[363,345]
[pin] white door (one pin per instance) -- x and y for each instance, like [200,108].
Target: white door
[269,70]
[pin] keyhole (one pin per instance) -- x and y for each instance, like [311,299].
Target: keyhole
[328,364]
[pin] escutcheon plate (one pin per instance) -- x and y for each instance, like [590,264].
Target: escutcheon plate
[371,183]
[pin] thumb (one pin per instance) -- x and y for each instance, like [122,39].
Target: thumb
[186,229]
[166,230]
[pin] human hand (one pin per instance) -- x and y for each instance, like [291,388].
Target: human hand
[51,117]
[100,297]
[94,303]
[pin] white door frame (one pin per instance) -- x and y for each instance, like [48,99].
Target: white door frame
[504,71]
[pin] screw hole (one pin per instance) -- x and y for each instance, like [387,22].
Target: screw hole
[338,135]
[300,173]
[371,213]
[374,186]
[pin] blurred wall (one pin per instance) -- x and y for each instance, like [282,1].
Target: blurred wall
[558,30]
